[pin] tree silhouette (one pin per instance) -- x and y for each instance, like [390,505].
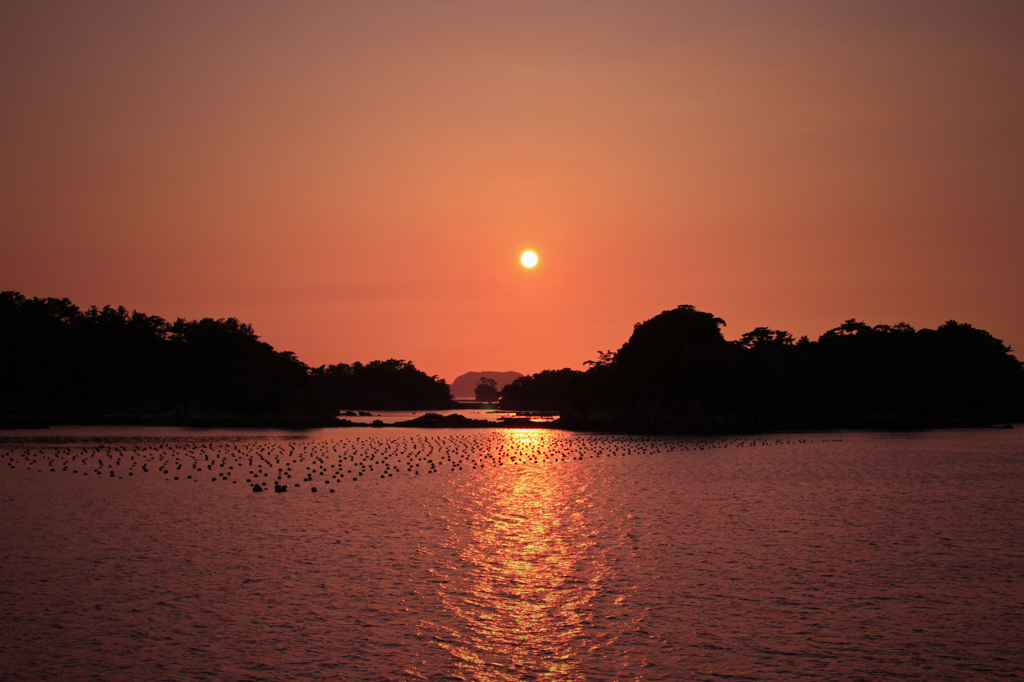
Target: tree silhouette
[486,390]
[63,365]
[762,337]
[677,372]
[379,385]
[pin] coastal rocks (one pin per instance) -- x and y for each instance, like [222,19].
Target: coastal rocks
[434,420]
[256,488]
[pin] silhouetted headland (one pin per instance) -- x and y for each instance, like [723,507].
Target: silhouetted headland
[62,365]
[676,373]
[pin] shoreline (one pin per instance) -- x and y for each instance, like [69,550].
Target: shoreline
[432,420]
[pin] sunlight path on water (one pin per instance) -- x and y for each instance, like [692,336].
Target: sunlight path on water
[521,595]
[140,556]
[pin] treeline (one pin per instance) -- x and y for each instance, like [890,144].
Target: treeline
[379,385]
[677,372]
[60,364]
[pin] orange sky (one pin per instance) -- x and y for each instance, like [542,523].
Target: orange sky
[358,180]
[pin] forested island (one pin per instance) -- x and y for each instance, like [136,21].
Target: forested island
[677,373]
[63,365]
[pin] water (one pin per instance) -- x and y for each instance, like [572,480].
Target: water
[586,557]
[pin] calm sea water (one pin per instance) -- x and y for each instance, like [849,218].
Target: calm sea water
[142,554]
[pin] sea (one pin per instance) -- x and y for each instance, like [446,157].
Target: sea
[142,554]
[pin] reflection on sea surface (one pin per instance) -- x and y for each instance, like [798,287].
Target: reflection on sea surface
[519,597]
[137,556]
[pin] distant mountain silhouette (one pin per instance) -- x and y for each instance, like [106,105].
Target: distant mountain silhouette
[463,387]
[678,373]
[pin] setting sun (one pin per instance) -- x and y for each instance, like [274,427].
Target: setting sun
[529,259]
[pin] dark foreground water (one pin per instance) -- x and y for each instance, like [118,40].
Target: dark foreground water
[511,555]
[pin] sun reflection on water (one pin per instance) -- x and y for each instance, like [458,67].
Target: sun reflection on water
[517,598]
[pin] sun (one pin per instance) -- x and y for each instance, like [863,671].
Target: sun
[529,259]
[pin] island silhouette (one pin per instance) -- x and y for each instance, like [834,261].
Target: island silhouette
[676,373]
[464,386]
[62,365]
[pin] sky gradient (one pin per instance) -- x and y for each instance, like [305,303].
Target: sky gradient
[358,181]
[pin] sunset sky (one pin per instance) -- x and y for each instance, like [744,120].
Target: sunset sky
[358,180]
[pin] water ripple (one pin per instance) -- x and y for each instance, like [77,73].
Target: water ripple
[512,555]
